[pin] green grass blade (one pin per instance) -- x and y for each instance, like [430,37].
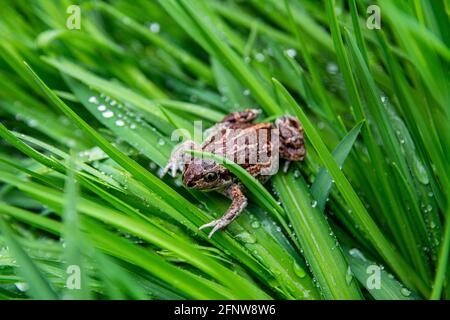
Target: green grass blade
[323,182]
[39,287]
[319,245]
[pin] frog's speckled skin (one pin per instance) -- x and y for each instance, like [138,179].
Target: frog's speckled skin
[204,174]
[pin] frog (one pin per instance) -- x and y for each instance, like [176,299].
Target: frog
[246,144]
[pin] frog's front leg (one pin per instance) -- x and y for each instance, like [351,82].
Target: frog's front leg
[179,157]
[239,202]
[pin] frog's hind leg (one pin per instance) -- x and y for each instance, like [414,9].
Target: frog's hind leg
[292,142]
[237,206]
[179,157]
[245,116]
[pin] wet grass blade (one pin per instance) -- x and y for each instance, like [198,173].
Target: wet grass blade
[39,287]
[323,182]
[320,247]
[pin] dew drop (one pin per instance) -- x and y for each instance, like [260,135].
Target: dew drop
[21,286]
[155,27]
[246,92]
[246,237]
[161,142]
[332,68]
[101,108]
[291,53]
[314,203]
[32,123]
[420,172]
[260,57]
[120,123]
[93,100]
[255,224]
[356,253]
[299,271]
[108,114]
[405,292]
[349,276]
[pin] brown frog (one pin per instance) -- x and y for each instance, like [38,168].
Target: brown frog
[255,147]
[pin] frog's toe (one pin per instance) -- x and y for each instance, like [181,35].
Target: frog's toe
[169,167]
[208,225]
[217,224]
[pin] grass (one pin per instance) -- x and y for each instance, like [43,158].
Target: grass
[88,116]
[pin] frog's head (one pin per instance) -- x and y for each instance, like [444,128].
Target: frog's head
[206,175]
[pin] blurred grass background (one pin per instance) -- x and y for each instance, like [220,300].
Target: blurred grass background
[86,121]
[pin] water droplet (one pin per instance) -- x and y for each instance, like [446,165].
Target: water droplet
[260,57]
[108,114]
[101,108]
[299,271]
[430,194]
[32,123]
[246,92]
[161,142]
[420,172]
[278,229]
[21,286]
[349,276]
[132,126]
[296,173]
[255,224]
[246,237]
[332,68]
[113,103]
[154,27]
[314,203]
[120,123]
[291,53]
[247,59]
[93,100]
[356,253]
[405,292]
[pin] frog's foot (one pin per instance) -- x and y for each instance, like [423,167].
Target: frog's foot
[179,158]
[217,224]
[237,206]
[292,141]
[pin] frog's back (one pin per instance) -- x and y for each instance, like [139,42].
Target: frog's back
[249,145]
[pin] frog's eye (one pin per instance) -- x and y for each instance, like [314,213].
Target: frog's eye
[211,176]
